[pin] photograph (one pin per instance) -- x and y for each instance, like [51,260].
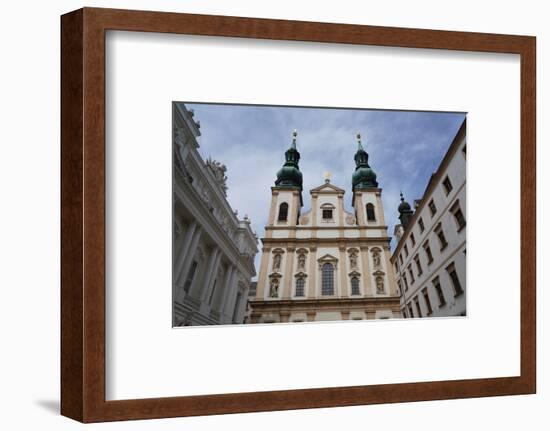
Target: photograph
[287,214]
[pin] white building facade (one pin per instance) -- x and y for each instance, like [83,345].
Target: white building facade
[429,260]
[326,263]
[213,251]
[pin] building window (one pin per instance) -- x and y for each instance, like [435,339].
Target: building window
[441,236]
[327,214]
[236,307]
[400,259]
[421,224]
[404,313]
[447,185]
[190,276]
[404,276]
[396,267]
[454,279]
[406,249]
[283,212]
[427,300]
[355,286]
[413,241]
[300,284]
[370,212]
[428,251]
[418,266]
[417,305]
[399,288]
[439,291]
[327,284]
[459,216]
[411,275]
[410,310]
[432,207]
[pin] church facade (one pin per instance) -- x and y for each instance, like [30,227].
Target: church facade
[325,263]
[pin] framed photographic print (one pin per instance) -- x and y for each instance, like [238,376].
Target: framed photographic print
[268,215]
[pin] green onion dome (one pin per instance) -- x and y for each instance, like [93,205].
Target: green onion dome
[364,176]
[289,175]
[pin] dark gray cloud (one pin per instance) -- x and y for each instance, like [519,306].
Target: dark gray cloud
[405,148]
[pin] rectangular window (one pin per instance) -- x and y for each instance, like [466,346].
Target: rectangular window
[428,251]
[413,241]
[404,313]
[441,236]
[418,266]
[417,305]
[396,268]
[190,277]
[327,214]
[411,275]
[432,207]
[406,249]
[421,224]
[427,300]
[447,185]
[404,276]
[454,279]
[439,291]
[300,284]
[400,259]
[459,216]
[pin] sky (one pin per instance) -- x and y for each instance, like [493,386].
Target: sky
[404,147]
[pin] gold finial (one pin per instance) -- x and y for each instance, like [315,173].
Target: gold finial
[294,134]
[358,137]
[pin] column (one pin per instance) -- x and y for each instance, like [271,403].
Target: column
[343,269]
[289,270]
[262,276]
[182,250]
[190,255]
[341,210]
[366,277]
[217,301]
[231,296]
[211,273]
[227,290]
[391,282]
[312,275]
[272,210]
[314,215]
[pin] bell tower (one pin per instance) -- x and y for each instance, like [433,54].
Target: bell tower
[367,199]
[286,195]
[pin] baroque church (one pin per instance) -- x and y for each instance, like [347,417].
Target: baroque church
[325,263]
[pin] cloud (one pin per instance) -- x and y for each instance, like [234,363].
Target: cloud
[405,148]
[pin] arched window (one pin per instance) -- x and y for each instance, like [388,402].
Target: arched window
[283,212]
[300,283]
[370,213]
[355,286]
[327,285]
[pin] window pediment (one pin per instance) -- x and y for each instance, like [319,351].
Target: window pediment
[327,258]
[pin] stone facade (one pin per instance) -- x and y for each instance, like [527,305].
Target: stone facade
[326,263]
[429,260]
[213,250]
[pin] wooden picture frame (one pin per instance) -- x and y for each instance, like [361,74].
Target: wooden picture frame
[83,214]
